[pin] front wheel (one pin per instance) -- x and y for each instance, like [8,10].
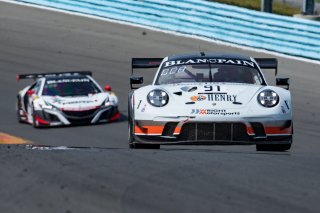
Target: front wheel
[130,137]
[145,146]
[35,123]
[273,147]
[133,145]
[18,111]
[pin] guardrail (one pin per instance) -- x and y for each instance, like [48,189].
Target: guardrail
[277,33]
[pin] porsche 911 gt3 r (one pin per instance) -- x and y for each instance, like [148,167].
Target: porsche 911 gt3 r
[210,98]
[65,98]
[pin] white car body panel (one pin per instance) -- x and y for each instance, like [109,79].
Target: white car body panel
[211,103]
[245,94]
[57,106]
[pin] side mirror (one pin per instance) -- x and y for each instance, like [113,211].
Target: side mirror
[107,88]
[283,82]
[135,80]
[30,92]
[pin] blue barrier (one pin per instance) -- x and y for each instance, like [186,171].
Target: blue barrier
[277,33]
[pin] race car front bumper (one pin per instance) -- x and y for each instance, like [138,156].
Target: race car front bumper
[241,131]
[47,117]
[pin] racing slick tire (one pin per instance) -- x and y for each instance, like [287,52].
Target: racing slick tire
[130,137]
[146,146]
[35,123]
[273,147]
[130,125]
[133,145]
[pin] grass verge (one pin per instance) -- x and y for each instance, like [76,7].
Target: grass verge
[278,8]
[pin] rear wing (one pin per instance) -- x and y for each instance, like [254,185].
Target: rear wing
[272,63]
[268,63]
[41,75]
[142,63]
[145,63]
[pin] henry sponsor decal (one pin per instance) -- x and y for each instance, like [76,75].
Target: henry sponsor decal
[220,97]
[213,112]
[211,61]
[198,98]
[217,96]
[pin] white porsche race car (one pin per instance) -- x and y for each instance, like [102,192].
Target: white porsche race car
[65,98]
[210,98]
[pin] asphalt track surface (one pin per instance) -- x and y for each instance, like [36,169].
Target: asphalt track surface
[104,175]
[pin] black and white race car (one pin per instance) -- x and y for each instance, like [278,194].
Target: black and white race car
[65,98]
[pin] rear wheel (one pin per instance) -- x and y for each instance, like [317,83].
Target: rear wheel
[273,147]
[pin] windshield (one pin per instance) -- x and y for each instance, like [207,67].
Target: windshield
[70,87]
[209,73]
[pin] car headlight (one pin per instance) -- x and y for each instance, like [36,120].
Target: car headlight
[158,98]
[47,105]
[268,98]
[106,102]
[44,105]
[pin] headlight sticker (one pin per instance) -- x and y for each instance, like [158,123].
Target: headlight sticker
[286,102]
[139,104]
[144,108]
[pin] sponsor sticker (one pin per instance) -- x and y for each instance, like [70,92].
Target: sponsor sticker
[75,102]
[198,98]
[144,108]
[222,112]
[174,70]
[210,61]
[219,97]
[74,80]
[139,104]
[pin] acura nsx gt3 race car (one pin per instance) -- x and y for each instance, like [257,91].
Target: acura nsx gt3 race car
[65,98]
[209,98]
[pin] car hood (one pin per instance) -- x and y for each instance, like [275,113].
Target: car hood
[76,102]
[206,101]
[223,95]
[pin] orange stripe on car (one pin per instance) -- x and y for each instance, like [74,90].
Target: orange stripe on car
[250,130]
[277,130]
[177,130]
[272,130]
[154,130]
